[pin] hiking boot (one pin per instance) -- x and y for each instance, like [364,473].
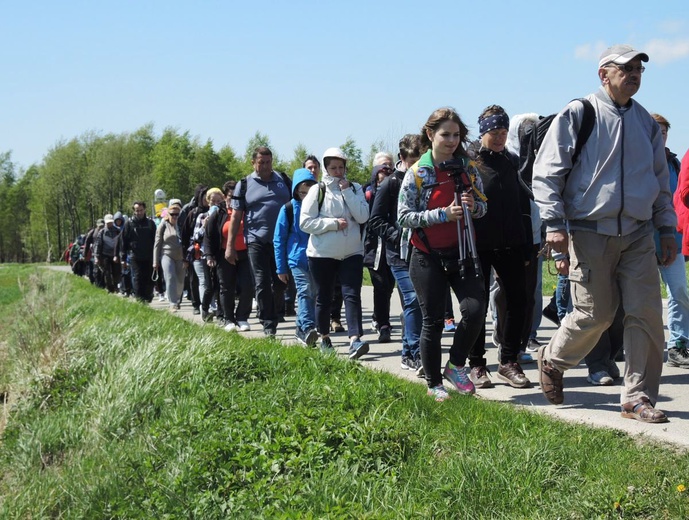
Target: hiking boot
[550,379]
[336,326]
[357,349]
[384,335]
[512,373]
[438,393]
[450,325]
[600,378]
[532,345]
[479,376]
[459,378]
[327,346]
[678,356]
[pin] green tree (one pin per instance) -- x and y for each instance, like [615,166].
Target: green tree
[355,166]
[171,159]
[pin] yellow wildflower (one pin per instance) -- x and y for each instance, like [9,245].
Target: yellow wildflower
[681,488]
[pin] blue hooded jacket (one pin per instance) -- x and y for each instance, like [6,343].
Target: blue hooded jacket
[290,243]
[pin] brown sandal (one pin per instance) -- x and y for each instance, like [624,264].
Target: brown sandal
[642,410]
[550,380]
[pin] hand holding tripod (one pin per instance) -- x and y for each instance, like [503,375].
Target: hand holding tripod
[465,227]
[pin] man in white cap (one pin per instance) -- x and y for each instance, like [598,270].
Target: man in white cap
[603,210]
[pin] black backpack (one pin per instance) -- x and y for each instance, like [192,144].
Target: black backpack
[532,139]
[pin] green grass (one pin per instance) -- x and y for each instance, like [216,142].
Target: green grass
[119,411]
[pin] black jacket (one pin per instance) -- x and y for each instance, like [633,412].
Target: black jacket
[507,223]
[138,237]
[383,220]
[212,238]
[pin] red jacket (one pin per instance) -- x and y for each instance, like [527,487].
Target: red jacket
[681,203]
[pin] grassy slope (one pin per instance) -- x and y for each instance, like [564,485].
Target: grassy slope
[125,412]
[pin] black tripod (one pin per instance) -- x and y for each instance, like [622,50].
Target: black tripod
[465,226]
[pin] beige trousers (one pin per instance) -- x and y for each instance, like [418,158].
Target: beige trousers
[599,264]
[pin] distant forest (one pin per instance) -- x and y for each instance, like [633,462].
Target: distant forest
[78,181]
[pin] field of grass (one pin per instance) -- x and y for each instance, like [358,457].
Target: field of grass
[114,410]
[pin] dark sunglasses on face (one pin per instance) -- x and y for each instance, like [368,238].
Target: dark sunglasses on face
[174,214]
[629,68]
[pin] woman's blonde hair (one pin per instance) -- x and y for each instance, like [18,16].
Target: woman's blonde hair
[211,192]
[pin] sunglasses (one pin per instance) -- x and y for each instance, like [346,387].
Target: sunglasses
[174,214]
[629,68]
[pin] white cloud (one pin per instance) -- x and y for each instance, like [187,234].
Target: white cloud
[590,51]
[667,51]
[671,26]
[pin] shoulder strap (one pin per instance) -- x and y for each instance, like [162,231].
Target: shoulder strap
[289,213]
[321,194]
[586,129]
[242,190]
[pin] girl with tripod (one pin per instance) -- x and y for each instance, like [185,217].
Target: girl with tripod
[435,193]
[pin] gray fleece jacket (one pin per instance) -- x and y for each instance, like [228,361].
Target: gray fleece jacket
[619,183]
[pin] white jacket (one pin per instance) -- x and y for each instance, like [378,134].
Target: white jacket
[326,240]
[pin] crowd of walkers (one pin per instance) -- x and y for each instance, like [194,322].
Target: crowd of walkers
[449,215]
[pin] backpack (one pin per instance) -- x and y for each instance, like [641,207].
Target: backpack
[533,138]
[321,196]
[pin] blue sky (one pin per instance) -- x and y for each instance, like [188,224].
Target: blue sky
[316,72]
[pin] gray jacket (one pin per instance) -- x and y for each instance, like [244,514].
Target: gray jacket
[619,183]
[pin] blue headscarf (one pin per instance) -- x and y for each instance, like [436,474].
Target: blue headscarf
[486,124]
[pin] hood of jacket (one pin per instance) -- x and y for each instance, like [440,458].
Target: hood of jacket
[301,175]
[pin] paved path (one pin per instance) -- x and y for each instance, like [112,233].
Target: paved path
[584,403]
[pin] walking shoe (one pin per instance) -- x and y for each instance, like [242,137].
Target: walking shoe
[642,410]
[613,369]
[450,325]
[407,363]
[196,311]
[311,337]
[357,349]
[459,378]
[551,313]
[512,373]
[524,358]
[206,316]
[244,326]
[438,393]
[600,378]
[532,345]
[336,326]
[479,376]
[420,372]
[299,336]
[384,335]
[678,356]
[550,379]
[327,346]
[230,327]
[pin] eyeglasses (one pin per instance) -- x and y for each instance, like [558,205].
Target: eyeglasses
[174,214]
[628,68]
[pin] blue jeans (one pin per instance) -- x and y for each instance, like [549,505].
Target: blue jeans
[413,319]
[562,297]
[306,299]
[675,278]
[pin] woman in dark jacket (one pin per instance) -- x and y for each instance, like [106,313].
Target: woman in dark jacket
[230,276]
[503,238]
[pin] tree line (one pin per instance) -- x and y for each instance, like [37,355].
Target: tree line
[78,181]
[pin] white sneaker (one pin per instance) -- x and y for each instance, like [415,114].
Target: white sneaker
[244,326]
[254,305]
[161,298]
[230,327]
